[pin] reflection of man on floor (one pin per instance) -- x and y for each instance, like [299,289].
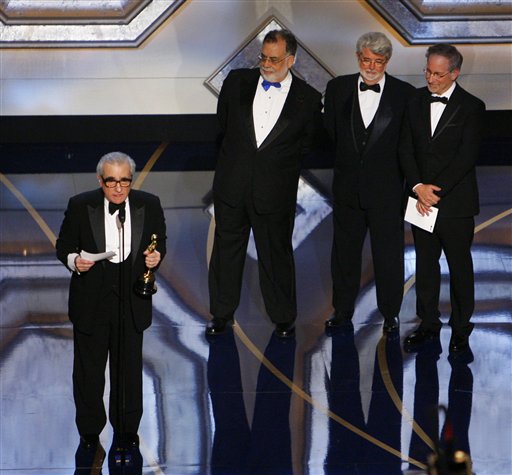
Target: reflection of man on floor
[92,223]
[348,452]
[265,447]
[454,434]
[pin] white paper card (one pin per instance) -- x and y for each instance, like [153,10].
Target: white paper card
[97,257]
[414,217]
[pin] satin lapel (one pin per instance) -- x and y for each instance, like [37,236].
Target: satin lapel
[425,115]
[354,105]
[247,91]
[293,102]
[137,213]
[382,119]
[97,222]
[449,113]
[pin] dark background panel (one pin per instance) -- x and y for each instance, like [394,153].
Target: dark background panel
[65,144]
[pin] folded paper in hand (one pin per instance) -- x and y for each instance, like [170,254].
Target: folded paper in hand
[426,222]
[97,257]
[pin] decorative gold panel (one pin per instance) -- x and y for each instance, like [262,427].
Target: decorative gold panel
[306,66]
[22,12]
[454,21]
[81,23]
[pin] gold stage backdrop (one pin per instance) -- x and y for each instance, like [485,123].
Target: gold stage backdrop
[125,57]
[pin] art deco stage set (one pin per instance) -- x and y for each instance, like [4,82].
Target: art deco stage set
[344,402]
[350,402]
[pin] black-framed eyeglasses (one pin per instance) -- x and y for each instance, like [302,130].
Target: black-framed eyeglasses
[112,182]
[436,76]
[262,58]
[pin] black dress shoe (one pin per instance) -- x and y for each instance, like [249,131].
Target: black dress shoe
[128,440]
[89,460]
[337,321]
[391,325]
[461,358]
[216,326]
[89,441]
[344,329]
[459,343]
[285,330]
[131,440]
[418,338]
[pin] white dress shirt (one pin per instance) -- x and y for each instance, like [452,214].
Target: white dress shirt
[267,107]
[113,233]
[369,101]
[112,236]
[437,109]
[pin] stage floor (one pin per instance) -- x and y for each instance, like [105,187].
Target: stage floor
[245,402]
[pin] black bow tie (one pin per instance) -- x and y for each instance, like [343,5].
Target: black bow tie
[113,207]
[444,100]
[366,87]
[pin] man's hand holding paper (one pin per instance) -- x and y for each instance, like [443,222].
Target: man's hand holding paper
[85,260]
[426,198]
[425,220]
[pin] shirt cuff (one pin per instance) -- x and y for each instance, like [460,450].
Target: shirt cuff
[415,186]
[71,261]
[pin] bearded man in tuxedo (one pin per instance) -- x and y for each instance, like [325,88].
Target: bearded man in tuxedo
[268,117]
[364,115]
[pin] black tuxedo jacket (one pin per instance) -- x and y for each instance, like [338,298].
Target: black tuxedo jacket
[270,172]
[370,177]
[448,157]
[83,228]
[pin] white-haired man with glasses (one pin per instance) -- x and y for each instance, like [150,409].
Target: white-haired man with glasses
[268,118]
[102,292]
[439,152]
[363,116]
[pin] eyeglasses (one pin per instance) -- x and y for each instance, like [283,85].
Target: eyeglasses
[262,58]
[436,76]
[376,62]
[112,182]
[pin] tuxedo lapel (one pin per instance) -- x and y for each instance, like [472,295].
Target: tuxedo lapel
[382,118]
[351,109]
[425,115]
[137,213]
[293,102]
[96,212]
[247,91]
[449,113]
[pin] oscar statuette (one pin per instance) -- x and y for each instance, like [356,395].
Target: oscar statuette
[145,284]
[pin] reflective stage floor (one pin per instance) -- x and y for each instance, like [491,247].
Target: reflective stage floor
[245,402]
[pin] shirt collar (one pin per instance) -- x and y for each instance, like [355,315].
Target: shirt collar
[106,202]
[448,92]
[285,83]
[381,82]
